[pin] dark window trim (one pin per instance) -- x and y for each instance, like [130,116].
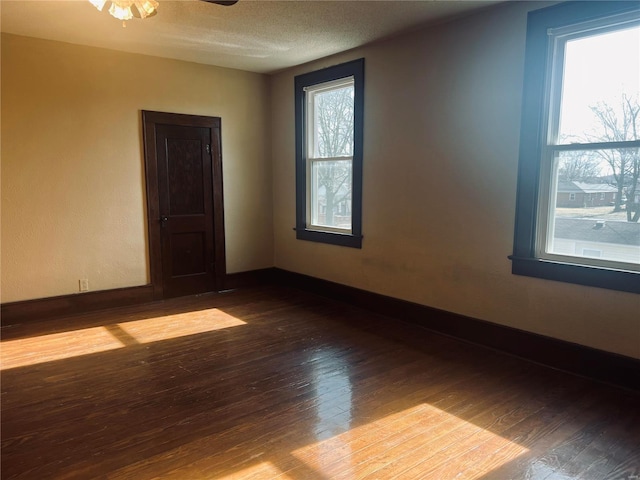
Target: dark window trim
[524,260]
[354,68]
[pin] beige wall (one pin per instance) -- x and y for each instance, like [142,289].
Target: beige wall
[73,201]
[441,148]
[442,119]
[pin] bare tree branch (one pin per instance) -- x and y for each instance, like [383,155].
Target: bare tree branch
[334,117]
[617,126]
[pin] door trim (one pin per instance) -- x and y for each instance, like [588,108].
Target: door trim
[149,121]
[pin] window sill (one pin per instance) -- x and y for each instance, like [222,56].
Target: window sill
[332,238]
[622,280]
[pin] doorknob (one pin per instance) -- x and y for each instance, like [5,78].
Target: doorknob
[164,220]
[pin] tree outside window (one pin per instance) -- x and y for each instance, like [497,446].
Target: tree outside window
[329,131]
[579,170]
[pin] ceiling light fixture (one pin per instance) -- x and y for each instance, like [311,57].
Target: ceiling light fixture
[127,9]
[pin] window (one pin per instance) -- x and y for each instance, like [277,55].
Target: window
[329,129]
[572,196]
[581,124]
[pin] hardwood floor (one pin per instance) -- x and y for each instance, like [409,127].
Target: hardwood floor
[274,383]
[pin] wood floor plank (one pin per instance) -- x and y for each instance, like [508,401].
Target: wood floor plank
[271,383]
[609,453]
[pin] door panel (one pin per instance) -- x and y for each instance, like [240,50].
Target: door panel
[188,253]
[186,209]
[183,172]
[185,194]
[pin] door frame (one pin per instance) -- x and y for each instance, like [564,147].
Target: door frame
[149,121]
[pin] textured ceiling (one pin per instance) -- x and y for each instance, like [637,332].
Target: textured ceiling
[255,35]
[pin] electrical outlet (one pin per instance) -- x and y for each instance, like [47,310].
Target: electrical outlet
[84,284]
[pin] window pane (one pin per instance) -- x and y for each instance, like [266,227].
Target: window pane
[331,193]
[597,205]
[333,118]
[601,85]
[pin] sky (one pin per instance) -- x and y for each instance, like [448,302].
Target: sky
[598,68]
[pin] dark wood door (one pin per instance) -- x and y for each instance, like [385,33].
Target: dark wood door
[183,222]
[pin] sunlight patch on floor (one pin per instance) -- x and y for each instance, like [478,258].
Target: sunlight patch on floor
[59,346]
[179,325]
[419,442]
[263,470]
[56,346]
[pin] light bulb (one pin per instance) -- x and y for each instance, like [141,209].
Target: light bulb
[99,4]
[146,7]
[121,12]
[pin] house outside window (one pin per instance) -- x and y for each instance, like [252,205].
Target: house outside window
[329,130]
[580,127]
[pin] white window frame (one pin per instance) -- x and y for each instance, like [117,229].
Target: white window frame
[312,141]
[329,77]
[534,167]
[552,148]
[591,252]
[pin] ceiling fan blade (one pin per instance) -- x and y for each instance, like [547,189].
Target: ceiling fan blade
[226,3]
